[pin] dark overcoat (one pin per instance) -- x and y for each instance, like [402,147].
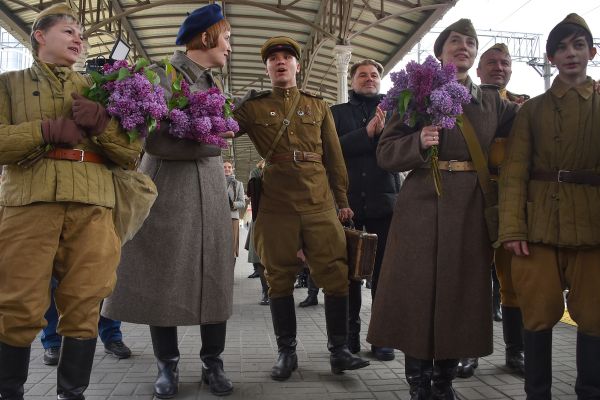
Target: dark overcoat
[434,294]
[178,270]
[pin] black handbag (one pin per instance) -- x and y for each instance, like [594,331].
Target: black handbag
[362,248]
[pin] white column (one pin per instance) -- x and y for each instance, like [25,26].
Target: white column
[342,60]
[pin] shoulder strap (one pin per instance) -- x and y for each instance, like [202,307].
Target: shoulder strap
[285,124]
[479,160]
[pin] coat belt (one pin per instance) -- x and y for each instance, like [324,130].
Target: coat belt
[455,166]
[75,155]
[295,156]
[566,176]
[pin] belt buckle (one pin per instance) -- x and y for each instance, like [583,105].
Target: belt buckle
[81,154]
[294,155]
[560,171]
[450,169]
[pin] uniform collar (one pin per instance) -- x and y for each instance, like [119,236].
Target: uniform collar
[289,92]
[191,70]
[56,75]
[560,88]
[473,89]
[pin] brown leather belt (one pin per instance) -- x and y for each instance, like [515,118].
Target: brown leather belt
[295,156]
[455,166]
[565,176]
[75,155]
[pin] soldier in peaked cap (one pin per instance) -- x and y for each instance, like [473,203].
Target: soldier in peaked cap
[55,205]
[546,218]
[438,247]
[191,216]
[304,180]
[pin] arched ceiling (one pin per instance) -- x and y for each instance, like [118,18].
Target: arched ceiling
[384,30]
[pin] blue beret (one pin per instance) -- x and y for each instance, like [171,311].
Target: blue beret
[198,21]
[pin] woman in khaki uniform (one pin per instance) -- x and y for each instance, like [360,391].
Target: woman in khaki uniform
[55,210]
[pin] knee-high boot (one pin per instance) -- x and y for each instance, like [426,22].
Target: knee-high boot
[354,304]
[166,351]
[213,344]
[444,372]
[74,367]
[336,318]
[14,367]
[538,364]
[418,375]
[512,329]
[284,325]
[587,385]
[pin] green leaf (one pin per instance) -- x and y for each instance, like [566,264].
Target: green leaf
[140,63]
[152,124]
[182,102]
[152,77]
[176,85]
[96,76]
[123,74]
[133,135]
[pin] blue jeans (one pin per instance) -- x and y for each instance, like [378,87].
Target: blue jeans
[109,330]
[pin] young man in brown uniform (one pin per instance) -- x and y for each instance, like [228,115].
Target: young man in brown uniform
[304,167]
[549,213]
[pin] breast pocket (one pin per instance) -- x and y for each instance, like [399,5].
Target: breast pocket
[310,125]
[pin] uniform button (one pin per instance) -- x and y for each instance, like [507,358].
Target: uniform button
[291,133]
[554,196]
[364,174]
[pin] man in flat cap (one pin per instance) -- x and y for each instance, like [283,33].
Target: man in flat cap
[304,181]
[549,213]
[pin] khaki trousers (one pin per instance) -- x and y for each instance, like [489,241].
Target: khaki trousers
[540,278]
[74,242]
[502,261]
[279,236]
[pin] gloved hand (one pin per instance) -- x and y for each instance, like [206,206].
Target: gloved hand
[62,131]
[90,115]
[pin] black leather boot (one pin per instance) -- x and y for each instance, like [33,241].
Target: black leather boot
[538,364]
[418,375]
[213,344]
[466,367]
[444,372]
[313,292]
[512,329]
[166,351]
[284,325]
[496,310]
[354,304]
[587,385]
[74,367]
[336,318]
[264,285]
[14,367]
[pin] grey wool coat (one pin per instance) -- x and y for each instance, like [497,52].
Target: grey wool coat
[178,270]
[434,294]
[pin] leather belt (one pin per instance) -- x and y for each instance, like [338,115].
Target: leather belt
[75,155]
[565,176]
[295,156]
[455,166]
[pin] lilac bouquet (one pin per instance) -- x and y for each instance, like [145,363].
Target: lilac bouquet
[427,94]
[200,116]
[132,94]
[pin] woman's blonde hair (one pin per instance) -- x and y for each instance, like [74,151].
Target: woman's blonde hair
[212,36]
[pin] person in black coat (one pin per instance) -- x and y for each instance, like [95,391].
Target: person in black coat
[372,190]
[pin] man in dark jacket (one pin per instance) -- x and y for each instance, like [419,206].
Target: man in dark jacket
[372,191]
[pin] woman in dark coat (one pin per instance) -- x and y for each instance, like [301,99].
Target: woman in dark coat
[434,295]
[178,270]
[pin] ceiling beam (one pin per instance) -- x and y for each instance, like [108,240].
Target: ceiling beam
[13,25]
[126,25]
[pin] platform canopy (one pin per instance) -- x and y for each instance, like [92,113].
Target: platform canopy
[384,30]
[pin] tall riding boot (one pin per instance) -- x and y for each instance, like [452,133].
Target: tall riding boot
[538,364]
[496,310]
[512,328]
[284,325]
[418,375]
[444,372]
[466,367]
[166,351]
[213,344]
[587,385]
[74,367]
[14,367]
[336,319]
[354,304]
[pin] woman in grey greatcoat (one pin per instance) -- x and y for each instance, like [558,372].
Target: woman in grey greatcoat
[434,295]
[178,270]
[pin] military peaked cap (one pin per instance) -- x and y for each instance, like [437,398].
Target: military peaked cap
[279,43]
[57,9]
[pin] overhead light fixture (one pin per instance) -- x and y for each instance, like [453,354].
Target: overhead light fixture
[119,51]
